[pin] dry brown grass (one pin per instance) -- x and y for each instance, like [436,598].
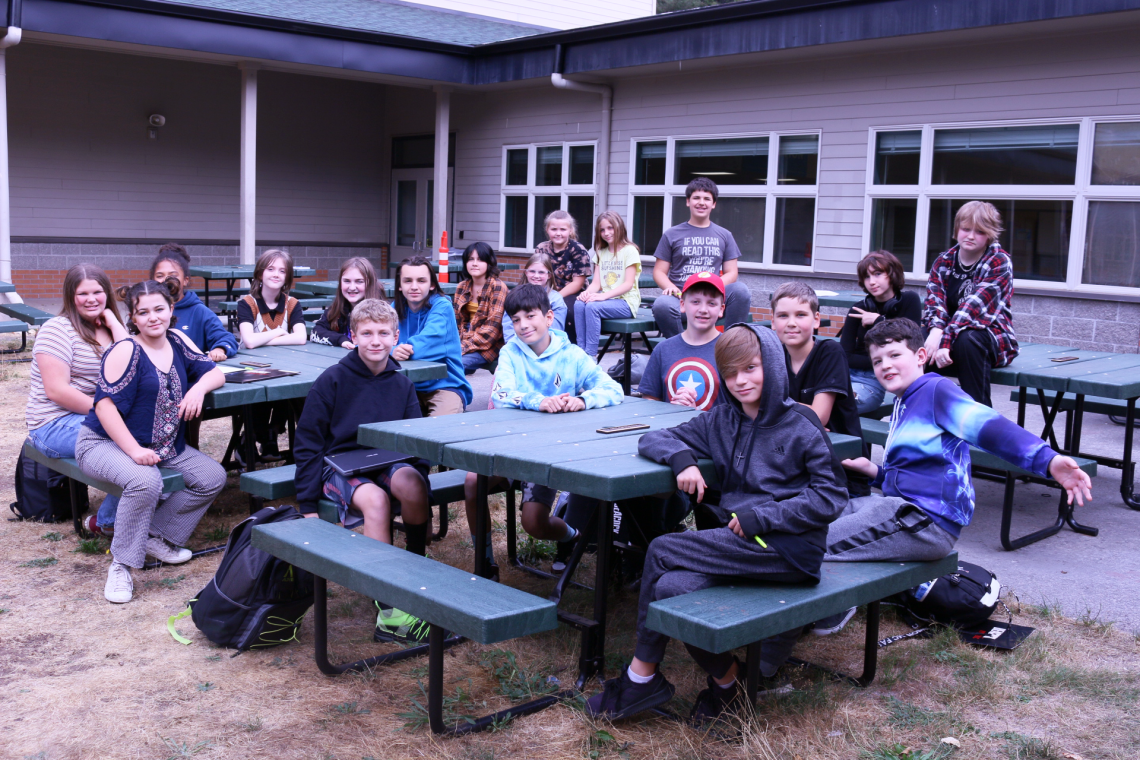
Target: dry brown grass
[81,678]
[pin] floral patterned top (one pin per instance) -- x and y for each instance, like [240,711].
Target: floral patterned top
[148,398]
[572,261]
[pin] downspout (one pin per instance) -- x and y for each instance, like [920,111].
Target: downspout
[602,200]
[11,38]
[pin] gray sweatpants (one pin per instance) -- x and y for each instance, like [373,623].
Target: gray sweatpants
[885,528]
[140,513]
[680,563]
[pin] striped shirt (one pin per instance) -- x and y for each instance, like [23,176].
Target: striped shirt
[58,339]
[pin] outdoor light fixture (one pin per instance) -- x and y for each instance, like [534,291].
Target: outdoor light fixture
[155,121]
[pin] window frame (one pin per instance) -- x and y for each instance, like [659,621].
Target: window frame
[530,190]
[770,191]
[1080,193]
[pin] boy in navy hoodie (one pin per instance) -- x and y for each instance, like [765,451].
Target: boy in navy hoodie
[781,483]
[364,387]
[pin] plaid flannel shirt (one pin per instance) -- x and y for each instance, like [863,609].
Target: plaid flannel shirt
[483,331]
[988,307]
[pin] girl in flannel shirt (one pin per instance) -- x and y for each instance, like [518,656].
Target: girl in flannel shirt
[479,300]
[968,310]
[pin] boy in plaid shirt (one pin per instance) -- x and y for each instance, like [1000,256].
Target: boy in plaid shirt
[968,310]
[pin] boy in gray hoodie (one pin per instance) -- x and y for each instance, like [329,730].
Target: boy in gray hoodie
[780,482]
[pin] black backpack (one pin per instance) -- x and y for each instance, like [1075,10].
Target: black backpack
[42,494]
[961,599]
[254,600]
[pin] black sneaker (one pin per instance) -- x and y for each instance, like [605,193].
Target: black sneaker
[714,701]
[621,697]
[562,553]
[833,623]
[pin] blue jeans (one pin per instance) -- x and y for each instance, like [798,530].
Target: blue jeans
[474,361]
[868,392]
[56,439]
[588,320]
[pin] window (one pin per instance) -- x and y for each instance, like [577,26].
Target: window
[538,179]
[1068,193]
[760,177]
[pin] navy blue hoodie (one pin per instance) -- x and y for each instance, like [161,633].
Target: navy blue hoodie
[778,473]
[346,396]
[199,324]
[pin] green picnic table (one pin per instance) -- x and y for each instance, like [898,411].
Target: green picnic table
[566,454]
[330,287]
[454,260]
[309,360]
[7,287]
[1080,373]
[233,273]
[843,299]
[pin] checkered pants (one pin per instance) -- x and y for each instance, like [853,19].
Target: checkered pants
[140,513]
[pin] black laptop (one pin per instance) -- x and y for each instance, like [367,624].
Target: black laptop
[365,460]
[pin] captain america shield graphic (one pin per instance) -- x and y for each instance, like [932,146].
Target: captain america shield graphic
[697,375]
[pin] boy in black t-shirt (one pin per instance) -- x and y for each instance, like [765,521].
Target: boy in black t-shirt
[818,375]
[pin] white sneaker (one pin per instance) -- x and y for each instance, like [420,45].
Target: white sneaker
[120,588]
[165,552]
[833,623]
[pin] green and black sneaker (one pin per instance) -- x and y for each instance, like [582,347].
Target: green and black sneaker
[398,626]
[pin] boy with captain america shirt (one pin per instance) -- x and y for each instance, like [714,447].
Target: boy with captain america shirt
[682,369]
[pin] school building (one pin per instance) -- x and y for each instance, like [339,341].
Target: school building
[367,127]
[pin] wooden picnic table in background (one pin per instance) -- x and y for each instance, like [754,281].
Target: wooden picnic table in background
[566,454]
[233,273]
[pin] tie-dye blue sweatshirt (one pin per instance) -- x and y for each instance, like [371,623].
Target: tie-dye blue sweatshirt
[523,380]
[927,459]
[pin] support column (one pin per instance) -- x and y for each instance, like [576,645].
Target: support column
[248,193]
[439,201]
[11,38]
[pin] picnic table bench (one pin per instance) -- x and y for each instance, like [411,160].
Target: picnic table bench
[231,273]
[723,618]
[171,481]
[11,326]
[27,314]
[876,431]
[447,598]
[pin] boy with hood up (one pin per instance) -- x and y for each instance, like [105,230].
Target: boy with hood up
[781,484]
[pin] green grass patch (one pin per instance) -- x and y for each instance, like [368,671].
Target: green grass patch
[53,537]
[41,562]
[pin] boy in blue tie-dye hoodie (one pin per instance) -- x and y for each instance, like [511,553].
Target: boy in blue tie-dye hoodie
[928,495]
[541,370]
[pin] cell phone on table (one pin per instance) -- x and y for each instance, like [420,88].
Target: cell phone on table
[1064,358]
[255,364]
[623,428]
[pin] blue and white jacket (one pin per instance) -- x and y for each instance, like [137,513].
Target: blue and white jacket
[927,459]
[523,379]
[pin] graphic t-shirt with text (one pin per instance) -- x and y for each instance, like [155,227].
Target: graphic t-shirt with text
[690,250]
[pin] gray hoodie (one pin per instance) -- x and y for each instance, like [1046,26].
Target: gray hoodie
[778,473]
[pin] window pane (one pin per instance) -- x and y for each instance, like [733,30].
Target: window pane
[581,164]
[799,159]
[1036,235]
[514,227]
[648,222]
[795,225]
[406,212]
[892,227]
[581,207]
[1116,154]
[1006,156]
[543,205]
[742,161]
[649,168]
[548,172]
[896,157]
[743,217]
[516,166]
[1112,246]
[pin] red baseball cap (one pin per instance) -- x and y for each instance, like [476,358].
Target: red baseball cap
[707,278]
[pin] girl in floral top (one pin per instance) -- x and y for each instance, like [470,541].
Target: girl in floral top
[479,303]
[571,261]
[148,386]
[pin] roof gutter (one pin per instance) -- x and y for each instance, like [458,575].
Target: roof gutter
[11,38]
[602,200]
